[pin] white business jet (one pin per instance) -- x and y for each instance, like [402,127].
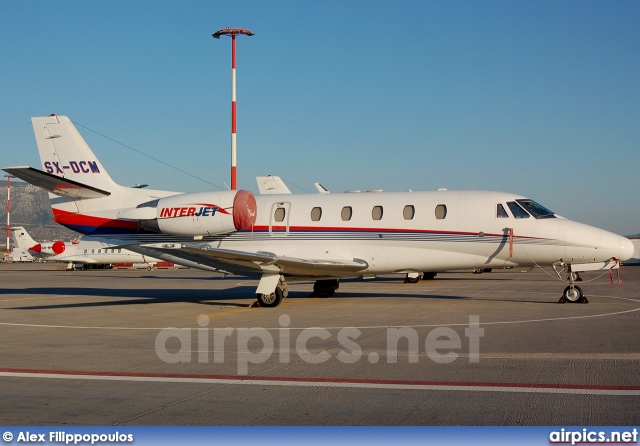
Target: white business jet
[84,252]
[323,237]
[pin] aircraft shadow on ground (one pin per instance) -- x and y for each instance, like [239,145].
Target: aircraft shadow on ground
[217,277]
[440,278]
[152,275]
[129,296]
[227,297]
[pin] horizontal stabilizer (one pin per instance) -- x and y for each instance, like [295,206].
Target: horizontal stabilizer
[55,184]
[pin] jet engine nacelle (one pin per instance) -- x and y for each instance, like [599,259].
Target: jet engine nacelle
[196,214]
[49,249]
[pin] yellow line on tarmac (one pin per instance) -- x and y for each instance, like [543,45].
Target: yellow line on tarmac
[241,310]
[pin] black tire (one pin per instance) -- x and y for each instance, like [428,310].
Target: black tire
[270,300]
[574,295]
[325,288]
[429,275]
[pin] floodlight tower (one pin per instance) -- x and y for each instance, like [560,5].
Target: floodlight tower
[8,253]
[233,32]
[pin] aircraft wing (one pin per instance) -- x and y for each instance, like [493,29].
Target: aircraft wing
[241,262]
[55,184]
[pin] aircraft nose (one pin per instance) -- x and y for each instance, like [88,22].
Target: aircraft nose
[626,249]
[614,245]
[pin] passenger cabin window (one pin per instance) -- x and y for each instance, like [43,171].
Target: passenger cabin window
[376,213]
[408,212]
[279,214]
[93,251]
[346,213]
[516,210]
[501,212]
[316,214]
[441,211]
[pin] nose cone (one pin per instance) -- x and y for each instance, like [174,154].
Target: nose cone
[587,244]
[614,245]
[626,249]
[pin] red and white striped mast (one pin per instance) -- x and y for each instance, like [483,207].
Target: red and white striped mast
[8,253]
[233,32]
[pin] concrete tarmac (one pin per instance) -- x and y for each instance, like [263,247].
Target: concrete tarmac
[184,347]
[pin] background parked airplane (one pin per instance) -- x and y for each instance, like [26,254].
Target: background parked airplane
[87,253]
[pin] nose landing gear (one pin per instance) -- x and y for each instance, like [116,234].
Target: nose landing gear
[573,293]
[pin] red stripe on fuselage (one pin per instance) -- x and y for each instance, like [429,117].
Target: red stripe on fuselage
[73,219]
[382,230]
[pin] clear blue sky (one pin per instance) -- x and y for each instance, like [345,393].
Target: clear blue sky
[540,98]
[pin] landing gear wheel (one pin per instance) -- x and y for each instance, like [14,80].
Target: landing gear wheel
[325,288]
[271,300]
[573,294]
[412,279]
[429,275]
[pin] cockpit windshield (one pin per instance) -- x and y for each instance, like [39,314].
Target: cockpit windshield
[516,210]
[535,209]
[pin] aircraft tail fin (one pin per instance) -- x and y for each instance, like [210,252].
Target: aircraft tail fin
[22,239]
[64,153]
[270,185]
[82,195]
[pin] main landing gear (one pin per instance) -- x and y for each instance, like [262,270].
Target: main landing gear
[321,288]
[274,299]
[325,288]
[417,277]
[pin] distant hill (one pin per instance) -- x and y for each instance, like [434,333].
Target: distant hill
[30,208]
